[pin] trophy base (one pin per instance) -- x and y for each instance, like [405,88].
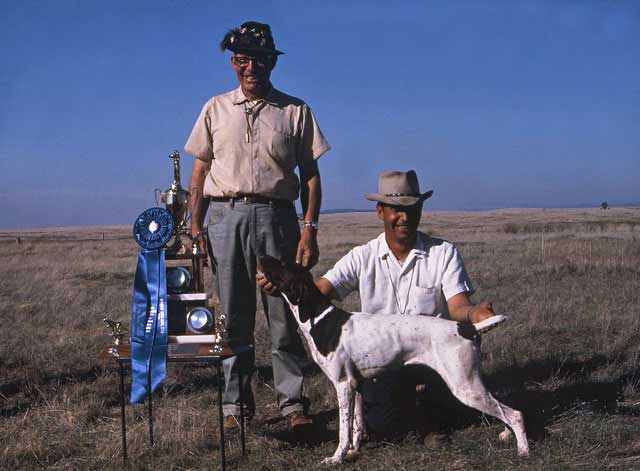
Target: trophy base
[196,338]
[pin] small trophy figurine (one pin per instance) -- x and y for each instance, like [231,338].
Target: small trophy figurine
[221,334]
[117,330]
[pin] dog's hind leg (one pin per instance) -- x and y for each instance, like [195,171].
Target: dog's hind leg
[345,397]
[466,384]
[475,395]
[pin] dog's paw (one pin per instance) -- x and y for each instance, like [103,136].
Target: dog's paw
[352,455]
[505,436]
[331,460]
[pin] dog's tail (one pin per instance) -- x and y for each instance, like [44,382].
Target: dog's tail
[491,322]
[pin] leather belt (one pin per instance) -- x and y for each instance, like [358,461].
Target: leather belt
[252,199]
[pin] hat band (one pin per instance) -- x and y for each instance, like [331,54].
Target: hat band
[401,194]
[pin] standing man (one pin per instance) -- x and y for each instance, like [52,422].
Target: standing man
[247,144]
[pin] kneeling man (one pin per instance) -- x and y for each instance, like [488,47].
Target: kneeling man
[401,272]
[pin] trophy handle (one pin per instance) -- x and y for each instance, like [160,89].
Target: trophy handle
[175,155]
[159,196]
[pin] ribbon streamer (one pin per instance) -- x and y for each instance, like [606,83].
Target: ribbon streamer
[149,335]
[149,324]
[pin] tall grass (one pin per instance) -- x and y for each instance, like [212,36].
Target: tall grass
[569,357]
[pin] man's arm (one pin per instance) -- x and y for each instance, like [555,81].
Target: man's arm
[461,309]
[310,199]
[326,288]
[197,201]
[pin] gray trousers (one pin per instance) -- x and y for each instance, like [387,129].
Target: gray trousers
[237,234]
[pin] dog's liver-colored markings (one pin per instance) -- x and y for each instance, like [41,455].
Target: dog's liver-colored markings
[350,347]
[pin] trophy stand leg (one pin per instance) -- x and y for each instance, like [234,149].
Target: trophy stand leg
[220,415]
[123,425]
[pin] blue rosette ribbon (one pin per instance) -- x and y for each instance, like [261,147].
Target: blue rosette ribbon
[149,324]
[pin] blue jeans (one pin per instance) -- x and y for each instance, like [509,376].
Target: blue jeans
[238,233]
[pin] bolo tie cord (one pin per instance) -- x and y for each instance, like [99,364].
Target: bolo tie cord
[248,112]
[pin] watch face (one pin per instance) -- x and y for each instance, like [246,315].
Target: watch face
[153,228]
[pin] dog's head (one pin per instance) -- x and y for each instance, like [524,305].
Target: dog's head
[291,279]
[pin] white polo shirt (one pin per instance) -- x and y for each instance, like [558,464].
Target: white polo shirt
[432,273]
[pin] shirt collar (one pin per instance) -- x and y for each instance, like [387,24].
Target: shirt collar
[272,97]
[420,248]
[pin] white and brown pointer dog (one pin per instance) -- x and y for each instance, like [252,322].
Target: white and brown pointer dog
[350,347]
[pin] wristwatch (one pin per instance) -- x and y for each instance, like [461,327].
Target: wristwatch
[311,224]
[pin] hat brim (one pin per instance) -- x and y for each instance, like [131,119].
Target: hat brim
[399,200]
[256,49]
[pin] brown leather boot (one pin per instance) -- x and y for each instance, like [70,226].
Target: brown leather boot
[298,420]
[231,423]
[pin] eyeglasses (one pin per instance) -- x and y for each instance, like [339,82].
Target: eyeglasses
[260,61]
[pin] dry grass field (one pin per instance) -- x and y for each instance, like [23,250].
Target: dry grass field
[569,358]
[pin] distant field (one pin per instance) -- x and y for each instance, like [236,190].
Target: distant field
[569,358]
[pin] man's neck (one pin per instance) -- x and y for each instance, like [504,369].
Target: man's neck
[258,94]
[401,249]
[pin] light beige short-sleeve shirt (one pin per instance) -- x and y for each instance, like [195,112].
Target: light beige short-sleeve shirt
[255,147]
[432,273]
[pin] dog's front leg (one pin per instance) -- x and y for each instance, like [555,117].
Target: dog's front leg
[357,424]
[345,396]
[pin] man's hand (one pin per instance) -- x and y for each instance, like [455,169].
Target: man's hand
[480,312]
[202,242]
[197,202]
[462,310]
[265,285]
[308,251]
[310,198]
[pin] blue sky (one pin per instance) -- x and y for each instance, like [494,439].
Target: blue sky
[494,103]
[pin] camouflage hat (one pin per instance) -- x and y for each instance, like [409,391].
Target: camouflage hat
[250,37]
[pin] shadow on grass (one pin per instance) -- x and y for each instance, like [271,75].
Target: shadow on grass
[516,376]
[437,410]
[312,436]
[35,388]
[543,407]
[577,391]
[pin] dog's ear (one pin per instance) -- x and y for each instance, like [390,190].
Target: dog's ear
[308,304]
[295,290]
[299,291]
[304,313]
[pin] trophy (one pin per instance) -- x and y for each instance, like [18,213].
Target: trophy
[189,318]
[176,200]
